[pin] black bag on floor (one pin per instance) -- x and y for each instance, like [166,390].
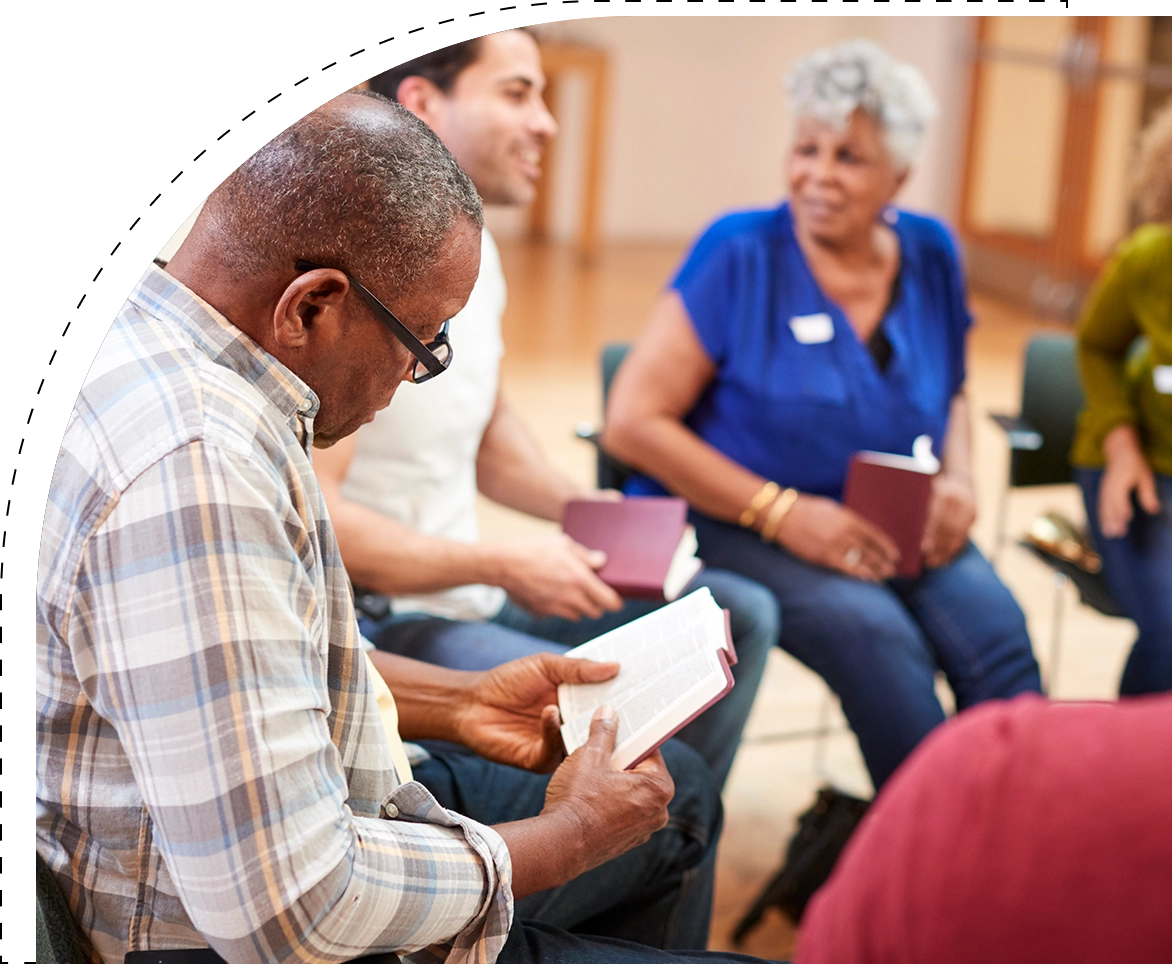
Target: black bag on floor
[822,833]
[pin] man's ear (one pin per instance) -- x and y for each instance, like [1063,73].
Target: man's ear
[311,305]
[423,98]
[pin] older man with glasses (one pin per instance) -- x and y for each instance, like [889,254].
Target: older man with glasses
[211,765]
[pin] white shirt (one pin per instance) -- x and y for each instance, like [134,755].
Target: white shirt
[416,462]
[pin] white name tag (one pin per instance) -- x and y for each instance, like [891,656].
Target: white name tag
[1162,377]
[812,329]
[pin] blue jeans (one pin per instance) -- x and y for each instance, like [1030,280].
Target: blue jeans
[1138,568]
[515,632]
[658,894]
[878,645]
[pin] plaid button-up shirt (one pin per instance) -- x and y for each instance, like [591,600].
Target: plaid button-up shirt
[211,768]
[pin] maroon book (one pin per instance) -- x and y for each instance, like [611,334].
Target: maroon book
[650,548]
[893,492]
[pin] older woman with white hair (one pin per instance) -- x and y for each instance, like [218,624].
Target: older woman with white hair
[793,338]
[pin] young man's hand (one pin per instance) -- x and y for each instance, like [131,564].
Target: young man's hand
[555,576]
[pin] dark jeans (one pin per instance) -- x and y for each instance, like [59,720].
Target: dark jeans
[658,895]
[514,632]
[879,645]
[1138,568]
[535,943]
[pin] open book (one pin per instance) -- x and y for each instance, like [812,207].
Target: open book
[650,548]
[675,664]
[894,493]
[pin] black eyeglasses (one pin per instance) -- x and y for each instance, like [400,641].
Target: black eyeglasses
[432,359]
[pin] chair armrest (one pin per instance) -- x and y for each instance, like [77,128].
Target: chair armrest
[611,472]
[1092,587]
[1019,433]
[588,432]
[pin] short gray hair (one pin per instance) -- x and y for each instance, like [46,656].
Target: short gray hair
[364,186]
[832,83]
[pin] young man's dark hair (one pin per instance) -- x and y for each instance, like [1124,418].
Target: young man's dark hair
[441,67]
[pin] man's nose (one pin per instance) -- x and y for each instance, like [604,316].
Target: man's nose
[543,123]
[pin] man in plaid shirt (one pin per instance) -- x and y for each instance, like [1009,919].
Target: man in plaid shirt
[212,768]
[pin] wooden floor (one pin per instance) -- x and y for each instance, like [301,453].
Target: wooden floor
[561,311]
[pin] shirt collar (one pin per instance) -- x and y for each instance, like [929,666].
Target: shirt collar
[225,344]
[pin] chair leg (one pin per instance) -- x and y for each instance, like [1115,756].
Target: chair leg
[1060,580]
[822,737]
[1002,523]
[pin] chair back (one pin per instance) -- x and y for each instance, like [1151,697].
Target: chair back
[1051,398]
[57,938]
[611,473]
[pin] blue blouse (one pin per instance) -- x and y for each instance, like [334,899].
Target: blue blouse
[796,393]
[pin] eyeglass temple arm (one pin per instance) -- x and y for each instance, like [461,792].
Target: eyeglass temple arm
[405,334]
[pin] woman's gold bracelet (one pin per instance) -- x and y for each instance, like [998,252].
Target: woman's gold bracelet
[766,494]
[777,512]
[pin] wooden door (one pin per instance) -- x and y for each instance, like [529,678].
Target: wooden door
[1056,105]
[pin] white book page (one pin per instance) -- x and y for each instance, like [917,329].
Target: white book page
[684,565]
[669,670]
[905,462]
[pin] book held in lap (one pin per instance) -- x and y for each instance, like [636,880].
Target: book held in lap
[894,493]
[650,548]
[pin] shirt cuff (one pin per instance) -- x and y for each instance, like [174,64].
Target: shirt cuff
[481,939]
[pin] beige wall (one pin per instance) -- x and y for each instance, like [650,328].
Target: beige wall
[698,119]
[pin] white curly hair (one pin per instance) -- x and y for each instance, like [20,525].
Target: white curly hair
[832,83]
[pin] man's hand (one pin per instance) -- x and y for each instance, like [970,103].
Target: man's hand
[828,534]
[951,514]
[509,714]
[556,577]
[1127,471]
[592,813]
[610,811]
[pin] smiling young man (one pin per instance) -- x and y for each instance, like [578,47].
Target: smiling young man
[402,492]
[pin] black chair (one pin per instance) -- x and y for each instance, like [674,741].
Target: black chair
[58,941]
[611,473]
[1040,438]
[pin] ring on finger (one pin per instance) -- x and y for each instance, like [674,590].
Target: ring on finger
[852,557]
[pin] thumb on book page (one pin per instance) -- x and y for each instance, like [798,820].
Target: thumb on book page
[604,727]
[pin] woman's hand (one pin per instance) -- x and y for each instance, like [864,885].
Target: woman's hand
[825,532]
[951,514]
[1127,471]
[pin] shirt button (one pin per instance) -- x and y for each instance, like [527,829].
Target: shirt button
[392,811]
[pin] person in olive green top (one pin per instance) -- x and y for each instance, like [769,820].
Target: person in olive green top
[1123,447]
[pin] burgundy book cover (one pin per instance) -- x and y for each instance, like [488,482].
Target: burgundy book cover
[894,499]
[728,659]
[639,536]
